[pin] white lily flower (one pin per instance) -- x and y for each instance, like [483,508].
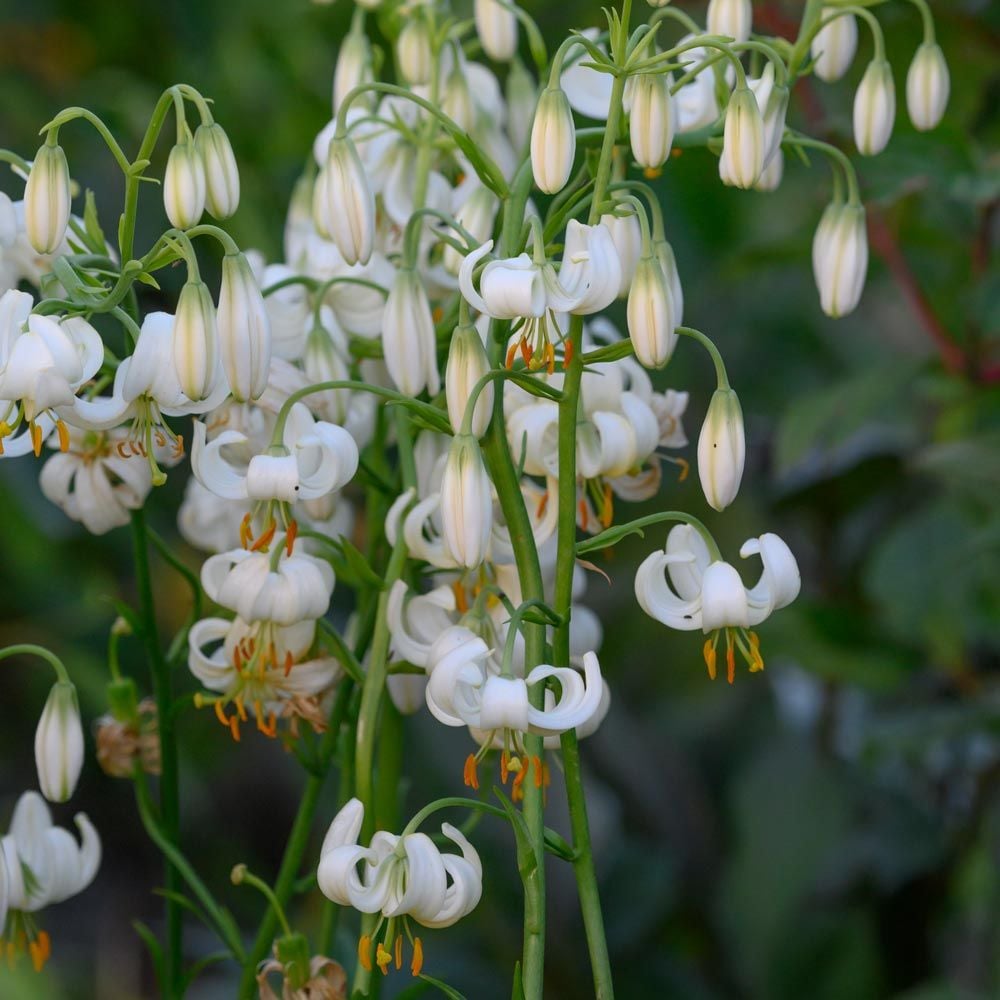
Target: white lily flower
[274,587]
[696,104]
[743,145]
[928,85]
[343,205]
[591,271]
[553,141]
[47,199]
[261,669]
[359,309]
[222,176]
[722,449]
[840,257]
[476,214]
[588,89]
[509,288]
[651,120]
[8,224]
[627,236]
[467,364]
[44,865]
[706,593]
[288,311]
[97,480]
[59,743]
[184,186]
[416,620]
[874,108]
[730,18]
[244,329]
[834,45]
[400,877]
[466,502]
[408,337]
[496,28]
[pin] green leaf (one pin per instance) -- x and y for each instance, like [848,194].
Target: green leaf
[155,950]
[447,990]
[517,986]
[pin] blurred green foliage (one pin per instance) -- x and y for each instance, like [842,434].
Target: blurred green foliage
[828,829]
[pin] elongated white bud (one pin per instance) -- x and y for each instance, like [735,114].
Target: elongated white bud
[408,338]
[874,108]
[477,215]
[244,330]
[833,47]
[343,203]
[47,199]
[466,502]
[456,101]
[928,85]
[8,222]
[496,27]
[668,263]
[650,314]
[770,176]
[840,257]
[59,743]
[520,105]
[184,187]
[730,17]
[413,51]
[651,120]
[467,364]
[553,141]
[222,176]
[722,449]
[354,66]
[743,141]
[196,341]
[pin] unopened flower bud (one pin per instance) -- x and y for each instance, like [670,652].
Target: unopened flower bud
[353,66]
[413,51]
[408,338]
[874,108]
[184,186]
[553,141]
[477,215]
[222,176]
[927,87]
[770,176]
[722,449]
[650,314]
[47,199]
[343,203]
[59,743]
[244,330]
[466,502]
[833,46]
[8,222]
[651,120]
[520,105]
[840,257]
[196,341]
[668,263]
[467,364]
[238,873]
[730,17]
[743,141]
[496,27]
[456,101]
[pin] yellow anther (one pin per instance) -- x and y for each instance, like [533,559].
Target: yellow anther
[651,173]
[398,950]
[730,659]
[382,958]
[63,431]
[708,651]
[365,952]
[36,439]
[469,775]
[418,957]
[757,661]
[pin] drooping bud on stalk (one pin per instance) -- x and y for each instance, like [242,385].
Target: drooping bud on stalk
[353,66]
[324,360]
[244,329]
[59,743]
[476,215]
[626,234]
[772,101]
[467,364]
[928,85]
[650,314]
[184,186]
[222,176]
[770,176]
[730,17]
[47,199]
[196,340]
[722,449]
[840,257]
[456,101]
[413,51]
[874,108]
[466,502]
[668,263]
[496,27]
[553,141]
[520,105]
[743,141]
[834,45]
[343,203]
[651,120]
[408,339]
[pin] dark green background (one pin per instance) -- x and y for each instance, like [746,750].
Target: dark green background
[828,829]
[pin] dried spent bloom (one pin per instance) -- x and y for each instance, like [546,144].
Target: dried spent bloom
[121,744]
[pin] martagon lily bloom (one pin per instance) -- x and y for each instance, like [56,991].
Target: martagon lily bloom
[401,877]
[706,593]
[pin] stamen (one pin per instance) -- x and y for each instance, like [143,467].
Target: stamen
[234,728]
[36,439]
[241,710]
[504,770]
[608,509]
[365,952]
[265,540]
[757,660]
[398,949]
[37,955]
[469,774]
[289,662]
[437,314]
[708,651]
[418,957]
[290,536]
[651,173]
[550,358]
[461,601]
[583,513]
[382,958]
[542,505]
[220,713]
[63,432]
[509,360]
[568,353]
[516,794]
[246,531]
[536,764]
[527,352]
[730,657]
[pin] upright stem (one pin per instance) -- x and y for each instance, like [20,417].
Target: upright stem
[169,791]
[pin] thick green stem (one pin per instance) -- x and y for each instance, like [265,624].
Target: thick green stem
[169,789]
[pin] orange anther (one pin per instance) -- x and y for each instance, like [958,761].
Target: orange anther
[37,957]
[246,531]
[45,942]
[568,350]
[651,173]
[526,351]
[709,653]
[365,952]
[584,516]
[537,767]
[542,505]
[469,774]
[730,662]
[608,510]
[550,359]
[504,770]
[265,540]
[398,949]
[234,728]
[515,789]
[685,467]
[36,439]
[461,601]
[240,709]
[509,360]
[290,535]
[63,431]
[437,314]
[757,661]
[220,714]
[418,957]
[289,662]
